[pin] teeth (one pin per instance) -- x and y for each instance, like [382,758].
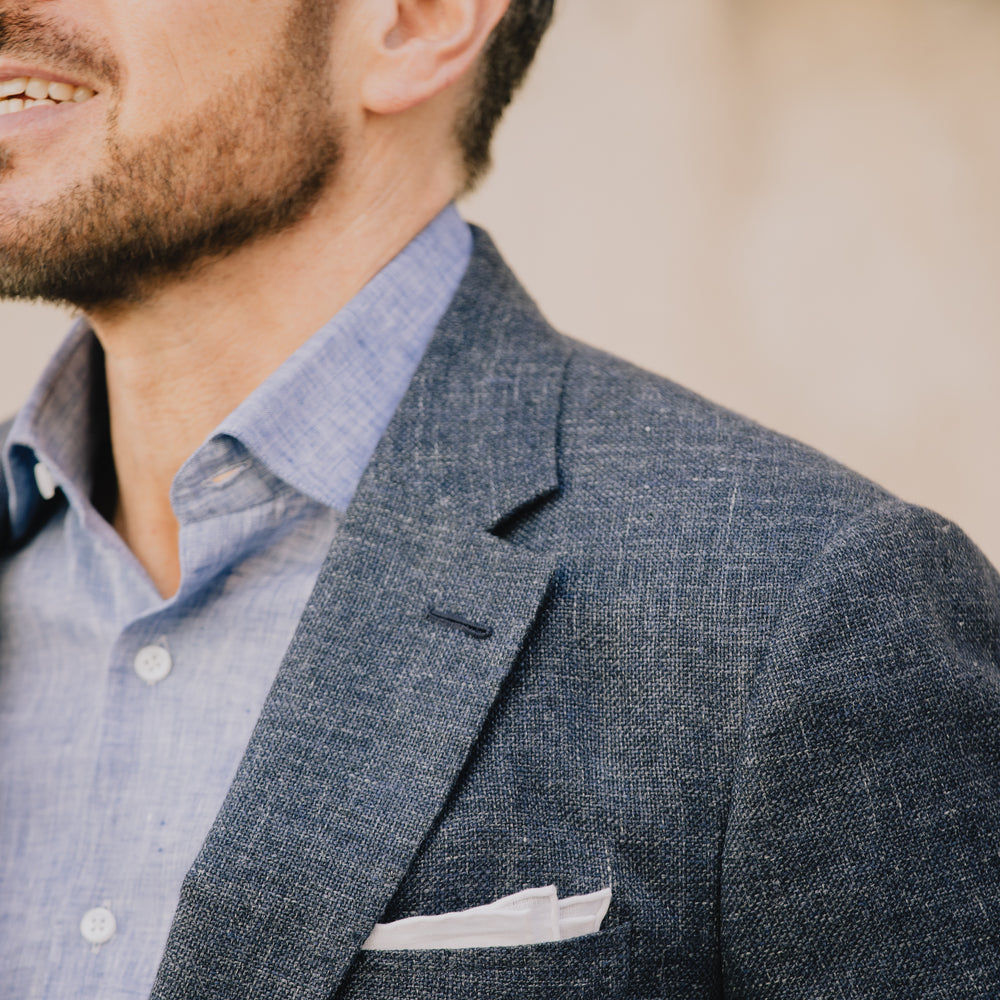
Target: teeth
[9,87]
[37,88]
[23,92]
[61,91]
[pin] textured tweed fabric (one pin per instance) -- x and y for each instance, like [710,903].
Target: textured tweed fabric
[750,691]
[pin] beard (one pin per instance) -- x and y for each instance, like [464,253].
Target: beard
[251,162]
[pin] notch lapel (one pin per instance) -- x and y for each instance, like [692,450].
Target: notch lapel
[377,705]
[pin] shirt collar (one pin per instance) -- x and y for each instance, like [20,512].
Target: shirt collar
[316,421]
[313,424]
[63,424]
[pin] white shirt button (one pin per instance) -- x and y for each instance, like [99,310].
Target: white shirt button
[152,664]
[44,481]
[98,925]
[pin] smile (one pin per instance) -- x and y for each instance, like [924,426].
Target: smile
[22,93]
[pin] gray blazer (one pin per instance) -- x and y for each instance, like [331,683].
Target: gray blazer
[582,627]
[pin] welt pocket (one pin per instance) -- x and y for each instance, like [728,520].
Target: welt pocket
[593,967]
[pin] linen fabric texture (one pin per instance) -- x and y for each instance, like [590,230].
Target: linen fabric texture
[747,689]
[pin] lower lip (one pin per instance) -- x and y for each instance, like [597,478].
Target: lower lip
[38,119]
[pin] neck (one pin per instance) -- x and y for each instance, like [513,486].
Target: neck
[178,363]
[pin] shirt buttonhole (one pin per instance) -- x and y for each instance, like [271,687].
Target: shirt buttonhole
[226,476]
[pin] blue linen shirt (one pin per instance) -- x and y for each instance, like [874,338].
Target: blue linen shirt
[123,716]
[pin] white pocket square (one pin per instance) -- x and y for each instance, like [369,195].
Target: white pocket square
[534,916]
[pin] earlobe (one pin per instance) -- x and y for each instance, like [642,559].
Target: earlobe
[424,47]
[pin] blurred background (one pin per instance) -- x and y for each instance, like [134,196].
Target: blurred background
[790,206]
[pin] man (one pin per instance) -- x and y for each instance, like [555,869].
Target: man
[340,591]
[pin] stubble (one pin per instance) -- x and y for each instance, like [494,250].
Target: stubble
[253,161]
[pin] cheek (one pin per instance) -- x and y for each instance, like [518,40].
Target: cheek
[176,54]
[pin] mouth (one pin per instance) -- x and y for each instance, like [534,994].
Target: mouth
[19,94]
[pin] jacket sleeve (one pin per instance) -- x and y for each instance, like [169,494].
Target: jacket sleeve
[862,851]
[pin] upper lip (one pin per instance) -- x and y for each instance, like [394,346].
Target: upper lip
[10,70]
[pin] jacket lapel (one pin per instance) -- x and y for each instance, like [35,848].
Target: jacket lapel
[416,618]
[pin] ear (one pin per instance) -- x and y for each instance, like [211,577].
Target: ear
[421,47]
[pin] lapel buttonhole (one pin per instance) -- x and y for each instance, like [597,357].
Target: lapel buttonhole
[459,624]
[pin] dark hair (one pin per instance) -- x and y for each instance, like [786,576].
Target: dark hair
[502,69]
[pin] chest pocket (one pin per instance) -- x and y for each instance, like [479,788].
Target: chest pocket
[594,967]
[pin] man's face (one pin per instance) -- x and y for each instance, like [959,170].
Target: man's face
[211,124]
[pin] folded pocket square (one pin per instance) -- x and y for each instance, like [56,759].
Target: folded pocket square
[534,916]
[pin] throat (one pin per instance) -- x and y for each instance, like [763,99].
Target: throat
[152,534]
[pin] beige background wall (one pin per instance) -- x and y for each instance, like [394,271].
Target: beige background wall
[792,206]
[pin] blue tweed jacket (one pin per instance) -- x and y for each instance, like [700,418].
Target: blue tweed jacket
[583,627]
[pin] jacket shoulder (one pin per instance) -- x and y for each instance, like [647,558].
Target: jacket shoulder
[628,435]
